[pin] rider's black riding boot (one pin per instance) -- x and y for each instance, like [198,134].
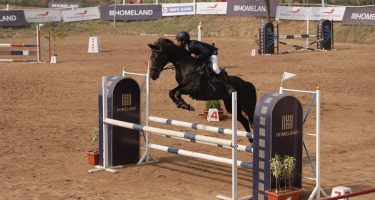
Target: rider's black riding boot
[224,77]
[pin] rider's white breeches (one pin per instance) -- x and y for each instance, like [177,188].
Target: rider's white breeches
[215,65]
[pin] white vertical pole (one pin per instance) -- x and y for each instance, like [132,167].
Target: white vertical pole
[115,13]
[234,146]
[318,142]
[195,7]
[148,94]
[7,7]
[147,109]
[200,31]
[123,2]
[105,126]
[146,155]
[38,43]
[307,29]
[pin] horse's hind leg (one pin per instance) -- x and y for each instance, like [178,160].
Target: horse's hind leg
[175,95]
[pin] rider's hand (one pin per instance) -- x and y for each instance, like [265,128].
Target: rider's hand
[194,55]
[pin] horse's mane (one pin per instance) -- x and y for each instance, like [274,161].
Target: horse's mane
[167,44]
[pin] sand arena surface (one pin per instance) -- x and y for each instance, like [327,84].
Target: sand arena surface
[48,111]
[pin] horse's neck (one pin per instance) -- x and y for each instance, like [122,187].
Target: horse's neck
[185,68]
[182,61]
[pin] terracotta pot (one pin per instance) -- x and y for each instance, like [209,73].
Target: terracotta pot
[295,194]
[93,157]
[221,114]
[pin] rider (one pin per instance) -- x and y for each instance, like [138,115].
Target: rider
[204,52]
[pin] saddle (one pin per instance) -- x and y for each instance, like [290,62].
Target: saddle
[205,70]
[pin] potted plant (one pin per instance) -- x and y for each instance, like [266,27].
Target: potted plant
[283,169]
[93,154]
[214,104]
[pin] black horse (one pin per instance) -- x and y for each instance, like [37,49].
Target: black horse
[191,81]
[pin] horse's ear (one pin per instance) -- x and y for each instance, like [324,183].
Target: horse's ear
[154,47]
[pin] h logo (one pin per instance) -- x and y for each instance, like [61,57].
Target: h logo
[287,122]
[126,100]
[354,16]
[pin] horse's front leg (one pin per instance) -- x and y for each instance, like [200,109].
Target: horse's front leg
[175,95]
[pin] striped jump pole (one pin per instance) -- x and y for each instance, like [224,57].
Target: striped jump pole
[18,52]
[243,148]
[242,164]
[18,45]
[296,36]
[177,134]
[17,60]
[37,52]
[199,126]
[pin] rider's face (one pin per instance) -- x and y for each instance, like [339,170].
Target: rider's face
[180,43]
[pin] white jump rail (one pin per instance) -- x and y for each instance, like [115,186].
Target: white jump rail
[167,132]
[199,126]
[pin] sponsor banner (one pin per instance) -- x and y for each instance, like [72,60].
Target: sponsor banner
[292,13]
[43,15]
[176,9]
[330,13]
[81,14]
[131,12]
[12,18]
[250,8]
[359,15]
[64,5]
[212,8]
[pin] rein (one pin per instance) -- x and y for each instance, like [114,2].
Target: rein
[173,66]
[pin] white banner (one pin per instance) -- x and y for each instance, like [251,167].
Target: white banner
[43,15]
[311,13]
[176,9]
[81,14]
[331,13]
[292,13]
[212,8]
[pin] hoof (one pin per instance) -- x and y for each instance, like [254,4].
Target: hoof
[187,107]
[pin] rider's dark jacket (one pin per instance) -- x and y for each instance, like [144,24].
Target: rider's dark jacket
[203,50]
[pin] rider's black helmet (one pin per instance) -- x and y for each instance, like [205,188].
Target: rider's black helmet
[183,36]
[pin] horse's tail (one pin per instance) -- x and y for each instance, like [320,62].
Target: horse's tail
[250,95]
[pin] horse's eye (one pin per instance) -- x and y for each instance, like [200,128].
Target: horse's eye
[157,55]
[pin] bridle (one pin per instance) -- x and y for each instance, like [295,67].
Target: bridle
[172,67]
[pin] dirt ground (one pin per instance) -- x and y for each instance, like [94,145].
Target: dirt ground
[48,111]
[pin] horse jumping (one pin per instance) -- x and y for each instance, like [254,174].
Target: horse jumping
[191,81]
